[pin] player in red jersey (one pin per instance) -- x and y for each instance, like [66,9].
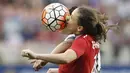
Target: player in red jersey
[82,57]
[38,64]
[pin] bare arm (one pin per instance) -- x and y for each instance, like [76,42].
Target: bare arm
[62,47]
[61,58]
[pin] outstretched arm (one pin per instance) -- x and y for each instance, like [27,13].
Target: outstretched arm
[61,58]
[63,46]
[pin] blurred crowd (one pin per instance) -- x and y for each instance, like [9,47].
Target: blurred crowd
[21,28]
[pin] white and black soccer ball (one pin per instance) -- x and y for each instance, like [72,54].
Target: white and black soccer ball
[54,16]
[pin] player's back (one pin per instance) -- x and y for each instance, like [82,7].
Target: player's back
[93,54]
[86,57]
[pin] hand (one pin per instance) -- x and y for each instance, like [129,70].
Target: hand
[28,53]
[38,64]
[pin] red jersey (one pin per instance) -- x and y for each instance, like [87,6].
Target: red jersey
[87,55]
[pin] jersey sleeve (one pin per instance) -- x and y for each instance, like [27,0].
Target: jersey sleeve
[79,46]
[70,37]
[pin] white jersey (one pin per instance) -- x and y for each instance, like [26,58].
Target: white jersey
[71,36]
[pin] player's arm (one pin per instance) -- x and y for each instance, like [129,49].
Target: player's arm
[77,49]
[61,58]
[63,46]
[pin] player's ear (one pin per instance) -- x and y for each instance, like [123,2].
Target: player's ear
[80,28]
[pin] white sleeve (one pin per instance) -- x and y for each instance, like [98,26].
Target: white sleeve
[99,61]
[71,36]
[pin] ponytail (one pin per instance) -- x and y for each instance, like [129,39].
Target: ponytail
[94,23]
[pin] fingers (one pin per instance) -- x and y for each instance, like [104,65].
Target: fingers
[24,53]
[28,53]
[37,65]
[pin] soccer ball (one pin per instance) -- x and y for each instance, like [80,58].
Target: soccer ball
[54,16]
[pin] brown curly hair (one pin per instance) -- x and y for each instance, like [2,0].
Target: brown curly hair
[94,23]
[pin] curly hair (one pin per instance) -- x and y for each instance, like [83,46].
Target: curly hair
[93,22]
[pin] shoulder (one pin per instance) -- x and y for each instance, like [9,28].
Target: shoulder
[83,37]
[80,39]
[87,37]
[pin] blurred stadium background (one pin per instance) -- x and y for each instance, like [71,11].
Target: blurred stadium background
[20,28]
